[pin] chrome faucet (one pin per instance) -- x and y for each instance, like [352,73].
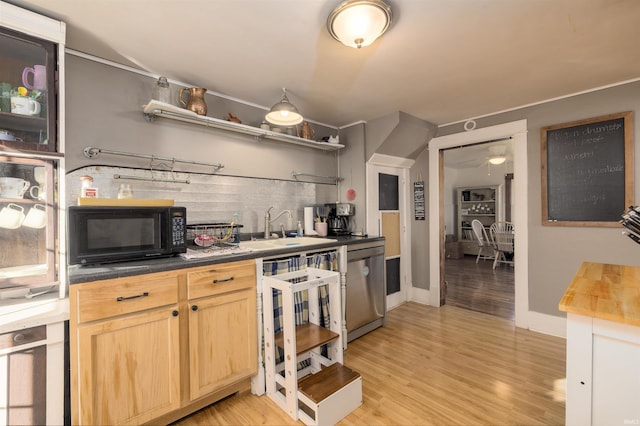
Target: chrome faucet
[268,221]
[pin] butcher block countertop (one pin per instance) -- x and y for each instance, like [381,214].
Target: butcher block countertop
[605,291]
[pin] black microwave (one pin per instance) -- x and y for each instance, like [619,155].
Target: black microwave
[98,234]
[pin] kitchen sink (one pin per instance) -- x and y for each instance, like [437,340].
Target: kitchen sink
[278,243]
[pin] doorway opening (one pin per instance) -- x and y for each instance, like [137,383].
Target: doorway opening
[517,130]
[476,192]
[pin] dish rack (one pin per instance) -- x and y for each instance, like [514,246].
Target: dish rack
[212,235]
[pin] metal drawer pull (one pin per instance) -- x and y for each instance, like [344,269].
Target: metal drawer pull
[137,296]
[226,280]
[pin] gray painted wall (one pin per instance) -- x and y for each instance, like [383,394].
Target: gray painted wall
[420,228]
[352,169]
[104,110]
[555,253]
[398,134]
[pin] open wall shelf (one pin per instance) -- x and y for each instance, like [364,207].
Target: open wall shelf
[160,109]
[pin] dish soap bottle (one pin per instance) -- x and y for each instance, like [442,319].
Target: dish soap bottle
[299,230]
[235,229]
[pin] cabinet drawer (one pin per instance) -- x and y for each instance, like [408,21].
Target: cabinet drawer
[104,299]
[221,278]
[23,337]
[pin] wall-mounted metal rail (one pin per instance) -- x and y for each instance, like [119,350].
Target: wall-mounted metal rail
[151,179]
[155,164]
[92,152]
[336,179]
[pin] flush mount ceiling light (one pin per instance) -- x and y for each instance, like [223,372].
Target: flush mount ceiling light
[358,23]
[497,160]
[284,113]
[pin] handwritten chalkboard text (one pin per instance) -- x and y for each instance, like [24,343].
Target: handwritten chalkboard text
[587,172]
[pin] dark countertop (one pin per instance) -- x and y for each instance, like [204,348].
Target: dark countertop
[80,274]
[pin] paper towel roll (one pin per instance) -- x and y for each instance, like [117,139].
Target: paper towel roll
[308,221]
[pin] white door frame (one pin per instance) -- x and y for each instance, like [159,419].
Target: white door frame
[397,166]
[518,131]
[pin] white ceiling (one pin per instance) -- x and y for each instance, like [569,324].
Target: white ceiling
[442,60]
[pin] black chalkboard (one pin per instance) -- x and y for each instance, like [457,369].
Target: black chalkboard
[587,171]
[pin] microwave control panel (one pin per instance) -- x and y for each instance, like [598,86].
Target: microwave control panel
[178,227]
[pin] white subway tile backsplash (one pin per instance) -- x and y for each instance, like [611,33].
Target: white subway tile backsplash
[211,198]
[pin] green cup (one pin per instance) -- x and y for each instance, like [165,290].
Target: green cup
[5,97]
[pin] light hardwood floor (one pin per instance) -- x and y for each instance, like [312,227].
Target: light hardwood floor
[436,366]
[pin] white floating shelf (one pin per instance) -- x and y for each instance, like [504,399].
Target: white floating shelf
[160,109]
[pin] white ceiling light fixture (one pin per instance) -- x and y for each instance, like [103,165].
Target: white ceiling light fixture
[358,23]
[497,154]
[284,113]
[497,160]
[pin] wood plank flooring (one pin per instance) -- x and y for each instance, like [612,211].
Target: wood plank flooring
[436,366]
[479,287]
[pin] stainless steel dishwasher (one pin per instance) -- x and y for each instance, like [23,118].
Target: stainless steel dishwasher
[366,288]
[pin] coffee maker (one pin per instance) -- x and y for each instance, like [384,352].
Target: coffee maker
[339,218]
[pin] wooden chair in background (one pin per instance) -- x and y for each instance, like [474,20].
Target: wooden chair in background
[502,238]
[485,247]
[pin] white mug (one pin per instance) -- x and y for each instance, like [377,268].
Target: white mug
[12,216]
[12,187]
[37,217]
[37,192]
[25,106]
[38,174]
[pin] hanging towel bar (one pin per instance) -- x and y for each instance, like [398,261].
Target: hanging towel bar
[334,178]
[92,152]
[152,179]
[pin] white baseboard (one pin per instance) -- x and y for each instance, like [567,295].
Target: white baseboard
[420,295]
[548,324]
[541,323]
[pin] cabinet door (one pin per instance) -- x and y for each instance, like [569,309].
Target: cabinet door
[23,396]
[28,214]
[28,93]
[129,368]
[222,341]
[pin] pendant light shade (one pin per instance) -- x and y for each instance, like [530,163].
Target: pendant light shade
[358,23]
[284,113]
[497,160]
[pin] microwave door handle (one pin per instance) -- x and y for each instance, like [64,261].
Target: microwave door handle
[137,296]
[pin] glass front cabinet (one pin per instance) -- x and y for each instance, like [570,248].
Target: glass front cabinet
[32,267]
[31,154]
[28,93]
[28,217]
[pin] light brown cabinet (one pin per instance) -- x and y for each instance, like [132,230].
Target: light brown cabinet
[222,326]
[156,347]
[125,349]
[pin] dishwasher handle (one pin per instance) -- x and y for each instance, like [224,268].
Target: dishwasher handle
[359,254]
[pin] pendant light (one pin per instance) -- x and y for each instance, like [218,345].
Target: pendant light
[284,113]
[358,23]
